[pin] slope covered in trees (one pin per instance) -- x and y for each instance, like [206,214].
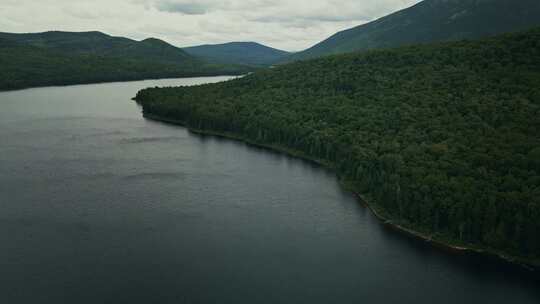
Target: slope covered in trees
[60,58]
[246,53]
[441,138]
[432,21]
[97,43]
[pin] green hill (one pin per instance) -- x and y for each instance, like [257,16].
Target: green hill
[74,42]
[432,21]
[61,58]
[97,43]
[442,138]
[246,53]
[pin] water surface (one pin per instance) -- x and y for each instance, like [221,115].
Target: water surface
[99,205]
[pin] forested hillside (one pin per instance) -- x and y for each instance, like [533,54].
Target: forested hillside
[246,53]
[61,58]
[432,21]
[97,43]
[440,138]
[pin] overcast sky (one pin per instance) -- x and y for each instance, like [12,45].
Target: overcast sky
[287,24]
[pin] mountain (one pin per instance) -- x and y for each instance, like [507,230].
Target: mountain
[97,43]
[60,58]
[247,53]
[80,42]
[441,138]
[432,21]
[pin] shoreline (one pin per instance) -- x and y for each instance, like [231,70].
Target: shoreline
[94,82]
[459,249]
[516,261]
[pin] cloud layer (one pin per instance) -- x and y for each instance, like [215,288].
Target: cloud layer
[286,24]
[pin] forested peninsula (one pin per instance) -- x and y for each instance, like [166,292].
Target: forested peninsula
[441,139]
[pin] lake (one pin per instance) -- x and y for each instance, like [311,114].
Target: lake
[99,205]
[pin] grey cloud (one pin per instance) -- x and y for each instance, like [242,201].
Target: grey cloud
[82,14]
[200,7]
[333,18]
[187,8]
[311,19]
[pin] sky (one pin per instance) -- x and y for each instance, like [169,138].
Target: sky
[291,25]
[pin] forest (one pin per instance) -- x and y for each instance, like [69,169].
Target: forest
[62,58]
[440,138]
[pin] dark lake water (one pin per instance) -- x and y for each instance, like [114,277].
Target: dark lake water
[98,205]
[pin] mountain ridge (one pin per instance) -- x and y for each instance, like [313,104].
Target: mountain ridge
[431,21]
[248,52]
[98,43]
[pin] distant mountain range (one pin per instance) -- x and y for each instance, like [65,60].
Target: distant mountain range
[58,58]
[61,58]
[245,53]
[432,21]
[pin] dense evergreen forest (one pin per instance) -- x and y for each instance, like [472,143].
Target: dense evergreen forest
[62,58]
[440,138]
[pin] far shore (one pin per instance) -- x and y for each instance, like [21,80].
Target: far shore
[91,82]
